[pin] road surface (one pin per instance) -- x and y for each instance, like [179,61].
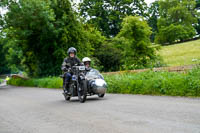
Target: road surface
[40,110]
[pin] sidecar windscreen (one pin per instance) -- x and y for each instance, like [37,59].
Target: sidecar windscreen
[93,74]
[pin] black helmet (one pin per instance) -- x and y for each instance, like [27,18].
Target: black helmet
[71,50]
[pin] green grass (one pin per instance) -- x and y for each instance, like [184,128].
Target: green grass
[50,82]
[151,83]
[181,54]
[1,80]
[147,83]
[156,83]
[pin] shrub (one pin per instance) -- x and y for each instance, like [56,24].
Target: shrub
[50,82]
[1,80]
[173,33]
[156,83]
[148,83]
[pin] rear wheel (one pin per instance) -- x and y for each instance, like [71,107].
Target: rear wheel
[82,91]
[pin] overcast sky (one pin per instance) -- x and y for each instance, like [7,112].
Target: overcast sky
[147,1]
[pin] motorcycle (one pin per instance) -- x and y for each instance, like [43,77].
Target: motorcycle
[77,84]
[85,83]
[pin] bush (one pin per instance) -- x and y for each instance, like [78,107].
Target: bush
[50,82]
[109,57]
[1,80]
[147,83]
[174,33]
[156,83]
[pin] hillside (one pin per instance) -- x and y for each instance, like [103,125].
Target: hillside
[181,54]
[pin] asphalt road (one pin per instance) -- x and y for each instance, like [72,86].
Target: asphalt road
[40,110]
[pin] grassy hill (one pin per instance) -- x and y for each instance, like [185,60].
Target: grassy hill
[181,54]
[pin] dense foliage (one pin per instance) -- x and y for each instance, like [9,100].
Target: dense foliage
[153,15]
[153,83]
[115,34]
[176,21]
[110,57]
[40,32]
[156,83]
[107,15]
[134,41]
[197,26]
[3,62]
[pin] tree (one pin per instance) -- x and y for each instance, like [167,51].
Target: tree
[107,15]
[11,56]
[176,15]
[4,69]
[43,30]
[27,31]
[153,13]
[109,56]
[134,40]
[197,26]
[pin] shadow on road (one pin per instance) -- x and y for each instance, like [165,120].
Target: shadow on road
[75,100]
[89,99]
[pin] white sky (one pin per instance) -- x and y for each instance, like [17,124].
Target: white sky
[2,11]
[147,1]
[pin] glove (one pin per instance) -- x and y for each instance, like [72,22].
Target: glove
[64,69]
[69,69]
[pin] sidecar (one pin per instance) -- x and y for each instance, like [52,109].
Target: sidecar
[95,83]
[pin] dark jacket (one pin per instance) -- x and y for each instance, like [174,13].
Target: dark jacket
[69,62]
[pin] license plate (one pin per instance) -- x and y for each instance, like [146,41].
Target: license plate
[82,68]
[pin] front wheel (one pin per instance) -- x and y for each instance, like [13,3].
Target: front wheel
[82,91]
[67,97]
[101,95]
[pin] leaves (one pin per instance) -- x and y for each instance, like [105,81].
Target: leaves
[176,21]
[107,15]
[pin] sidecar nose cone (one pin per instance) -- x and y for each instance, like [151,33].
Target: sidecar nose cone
[99,86]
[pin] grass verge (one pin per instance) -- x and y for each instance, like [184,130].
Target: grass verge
[49,82]
[148,83]
[1,80]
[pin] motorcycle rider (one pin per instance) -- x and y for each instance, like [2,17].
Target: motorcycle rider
[87,61]
[67,64]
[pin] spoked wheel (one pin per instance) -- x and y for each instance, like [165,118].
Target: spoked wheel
[67,97]
[82,91]
[101,95]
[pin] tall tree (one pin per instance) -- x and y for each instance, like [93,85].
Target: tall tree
[43,30]
[107,15]
[4,69]
[197,26]
[153,12]
[134,40]
[177,18]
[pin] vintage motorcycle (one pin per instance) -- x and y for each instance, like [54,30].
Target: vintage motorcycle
[85,83]
[77,85]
